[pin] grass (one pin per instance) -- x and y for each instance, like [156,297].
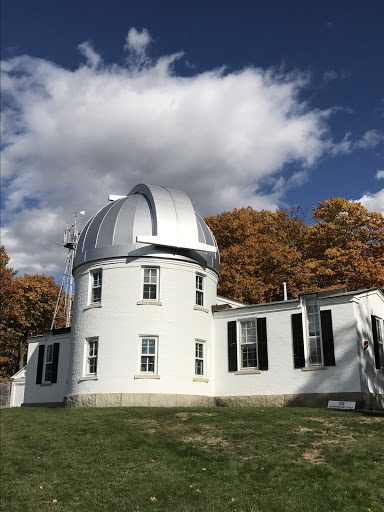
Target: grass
[176,460]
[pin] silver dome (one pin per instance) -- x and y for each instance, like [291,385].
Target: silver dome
[149,221]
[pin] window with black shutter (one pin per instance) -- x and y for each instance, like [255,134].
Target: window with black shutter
[378,341]
[251,348]
[319,342]
[327,337]
[232,346]
[298,340]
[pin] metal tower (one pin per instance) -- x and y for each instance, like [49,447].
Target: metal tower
[65,297]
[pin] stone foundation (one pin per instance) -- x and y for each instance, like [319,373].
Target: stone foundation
[363,400]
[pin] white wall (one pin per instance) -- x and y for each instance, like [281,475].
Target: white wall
[282,377]
[17,388]
[367,304]
[120,321]
[44,393]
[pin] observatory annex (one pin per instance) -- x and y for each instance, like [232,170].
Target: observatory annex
[149,329]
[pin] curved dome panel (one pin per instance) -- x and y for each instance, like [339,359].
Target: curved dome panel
[149,221]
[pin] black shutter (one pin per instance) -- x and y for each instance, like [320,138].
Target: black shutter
[375,342]
[298,340]
[55,360]
[262,350]
[40,361]
[232,346]
[327,337]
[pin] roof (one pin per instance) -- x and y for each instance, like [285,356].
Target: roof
[150,221]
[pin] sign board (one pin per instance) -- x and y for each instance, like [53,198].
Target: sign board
[334,404]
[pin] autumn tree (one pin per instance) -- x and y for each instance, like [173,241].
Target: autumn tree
[259,250]
[345,245]
[27,306]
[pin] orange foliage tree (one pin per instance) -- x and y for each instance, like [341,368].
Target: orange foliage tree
[261,249]
[346,246]
[27,306]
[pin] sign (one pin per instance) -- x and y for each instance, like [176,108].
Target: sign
[334,404]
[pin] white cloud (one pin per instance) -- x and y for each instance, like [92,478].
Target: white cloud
[373,202]
[369,140]
[380,175]
[72,137]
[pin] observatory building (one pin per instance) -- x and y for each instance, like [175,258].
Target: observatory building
[149,329]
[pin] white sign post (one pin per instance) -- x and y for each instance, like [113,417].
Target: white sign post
[334,404]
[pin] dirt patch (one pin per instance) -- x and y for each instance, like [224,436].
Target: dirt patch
[372,419]
[314,456]
[185,415]
[303,430]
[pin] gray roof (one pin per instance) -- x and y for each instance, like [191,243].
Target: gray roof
[149,221]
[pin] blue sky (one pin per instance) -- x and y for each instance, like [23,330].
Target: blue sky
[262,103]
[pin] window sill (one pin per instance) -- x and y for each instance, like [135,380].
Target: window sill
[200,308]
[46,384]
[313,368]
[142,376]
[148,302]
[247,372]
[200,379]
[89,377]
[92,306]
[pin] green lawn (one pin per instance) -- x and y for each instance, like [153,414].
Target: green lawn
[222,459]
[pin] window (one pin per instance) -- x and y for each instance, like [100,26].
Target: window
[148,355]
[96,279]
[250,347]
[200,358]
[248,354]
[91,353]
[312,339]
[47,363]
[199,290]
[378,341]
[150,284]
[315,356]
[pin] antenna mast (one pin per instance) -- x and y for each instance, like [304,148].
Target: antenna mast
[71,237]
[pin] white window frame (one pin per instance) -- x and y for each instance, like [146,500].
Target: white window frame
[245,340]
[146,354]
[199,290]
[312,333]
[380,340]
[91,356]
[95,285]
[200,358]
[148,281]
[48,360]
